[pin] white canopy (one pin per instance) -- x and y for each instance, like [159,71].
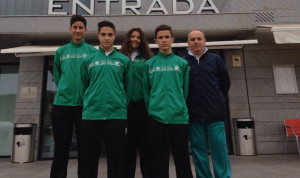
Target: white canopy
[23,51]
[284,34]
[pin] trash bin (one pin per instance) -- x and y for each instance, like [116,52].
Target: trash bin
[23,144]
[245,137]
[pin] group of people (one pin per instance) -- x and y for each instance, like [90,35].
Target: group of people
[134,100]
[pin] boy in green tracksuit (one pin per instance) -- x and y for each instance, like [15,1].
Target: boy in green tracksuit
[67,107]
[106,76]
[166,88]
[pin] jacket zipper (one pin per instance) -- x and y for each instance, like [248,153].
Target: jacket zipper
[75,82]
[202,119]
[166,85]
[133,71]
[105,115]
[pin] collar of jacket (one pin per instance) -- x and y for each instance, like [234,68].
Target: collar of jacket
[138,54]
[160,54]
[77,44]
[191,54]
[103,52]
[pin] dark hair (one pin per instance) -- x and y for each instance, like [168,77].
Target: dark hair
[163,27]
[143,49]
[106,23]
[75,18]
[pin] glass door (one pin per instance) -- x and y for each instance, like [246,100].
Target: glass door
[8,94]
[49,91]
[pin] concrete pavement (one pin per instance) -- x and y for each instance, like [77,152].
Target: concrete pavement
[262,166]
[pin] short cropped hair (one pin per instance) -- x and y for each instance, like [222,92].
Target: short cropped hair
[106,23]
[80,18]
[163,27]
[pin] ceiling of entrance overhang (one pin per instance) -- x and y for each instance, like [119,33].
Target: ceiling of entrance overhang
[180,36]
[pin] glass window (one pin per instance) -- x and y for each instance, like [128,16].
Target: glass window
[8,94]
[285,79]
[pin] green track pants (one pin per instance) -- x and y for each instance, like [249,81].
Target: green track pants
[214,133]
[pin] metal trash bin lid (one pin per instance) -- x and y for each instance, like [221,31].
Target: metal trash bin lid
[21,125]
[244,120]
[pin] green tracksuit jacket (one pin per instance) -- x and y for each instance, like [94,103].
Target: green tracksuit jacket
[66,72]
[107,85]
[166,82]
[138,67]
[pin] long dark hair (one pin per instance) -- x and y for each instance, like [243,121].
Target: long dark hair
[143,49]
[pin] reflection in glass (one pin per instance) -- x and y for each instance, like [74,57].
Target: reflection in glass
[8,95]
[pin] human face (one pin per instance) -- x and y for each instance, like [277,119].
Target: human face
[135,40]
[196,42]
[77,31]
[106,37]
[164,40]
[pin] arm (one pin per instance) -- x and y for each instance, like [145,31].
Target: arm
[56,68]
[185,81]
[146,87]
[128,83]
[223,77]
[85,78]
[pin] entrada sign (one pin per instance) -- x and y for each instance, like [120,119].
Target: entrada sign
[156,6]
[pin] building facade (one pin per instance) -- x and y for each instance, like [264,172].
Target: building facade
[258,40]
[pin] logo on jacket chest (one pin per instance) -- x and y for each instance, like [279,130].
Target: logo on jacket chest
[104,62]
[164,68]
[73,56]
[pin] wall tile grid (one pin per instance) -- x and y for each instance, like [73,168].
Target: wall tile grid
[267,108]
[29,110]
